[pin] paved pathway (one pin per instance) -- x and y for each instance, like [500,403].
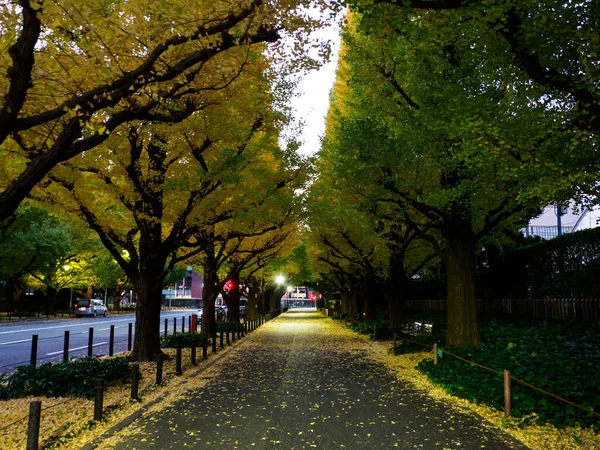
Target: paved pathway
[302,382]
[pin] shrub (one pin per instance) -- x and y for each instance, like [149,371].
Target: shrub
[75,377]
[560,358]
[183,340]
[227,326]
[339,316]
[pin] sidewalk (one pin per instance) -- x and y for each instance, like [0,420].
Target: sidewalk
[300,382]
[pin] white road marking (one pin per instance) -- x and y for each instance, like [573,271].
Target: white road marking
[15,342]
[77,348]
[83,323]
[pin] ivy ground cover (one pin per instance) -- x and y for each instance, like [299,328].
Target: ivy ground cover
[560,358]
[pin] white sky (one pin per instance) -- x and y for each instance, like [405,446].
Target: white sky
[313,102]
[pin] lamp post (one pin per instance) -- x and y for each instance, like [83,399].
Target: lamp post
[279,281]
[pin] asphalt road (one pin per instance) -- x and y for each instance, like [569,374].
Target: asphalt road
[16,337]
[302,382]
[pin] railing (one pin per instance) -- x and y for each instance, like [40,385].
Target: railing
[44,426]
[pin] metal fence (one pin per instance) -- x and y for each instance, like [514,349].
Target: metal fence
[587,310]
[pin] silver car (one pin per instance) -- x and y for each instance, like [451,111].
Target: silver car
[90,307]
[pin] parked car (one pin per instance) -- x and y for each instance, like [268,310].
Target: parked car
[90,307]
[220,314]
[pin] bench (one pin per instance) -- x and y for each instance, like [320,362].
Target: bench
[417,328]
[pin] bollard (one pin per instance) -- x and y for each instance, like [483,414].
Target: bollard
[243,327]
[507,400]
[194,323]
[221,338]
[66,347]
[183,325]
[166,326]
[214,343]
[395,340]
[99,399]
[34,346]
[374,333]
[174,325]
[227,334]
[205,349]
[135,380]
[129,336]
[238,327]
[90,342]
[178,362]
[190,328]
[435,354]
[33,426]
[111,341]
[193,356]
[159,368]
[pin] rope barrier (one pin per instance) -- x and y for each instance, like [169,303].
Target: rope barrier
[524,383]
[14,423]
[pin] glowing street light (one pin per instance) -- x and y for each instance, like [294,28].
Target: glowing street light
[280,279]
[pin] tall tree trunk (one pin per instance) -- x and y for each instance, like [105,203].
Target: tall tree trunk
[395,292]
[210,292]
[16,290]
[275,303]
[345,303]
[50,300]
[146,344]
[232,299]
[253,299]
[395,289]
[463,325]
[370,302]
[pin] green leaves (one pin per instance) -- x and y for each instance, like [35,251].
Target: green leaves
[76,377]
[530,351]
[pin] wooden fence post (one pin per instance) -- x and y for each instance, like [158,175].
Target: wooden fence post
[99,399]
[174,325]
[135,379]
[66,347]
[374,333]
[111,341]
[166,326]
[507,400]
[159,368]
[178,361]
[129,336]
[395,340]
[193,356]
[33,426]
[34,347]
[435,354]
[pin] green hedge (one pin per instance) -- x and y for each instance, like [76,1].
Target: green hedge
[183,340]
[76,377]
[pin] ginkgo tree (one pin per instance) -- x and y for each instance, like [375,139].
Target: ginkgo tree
[440,134]
[71,73]
[549,48]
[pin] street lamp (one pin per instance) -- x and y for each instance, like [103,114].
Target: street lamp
[280,279]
